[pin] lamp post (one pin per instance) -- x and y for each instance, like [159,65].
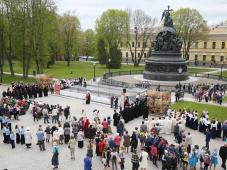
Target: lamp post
[180,71]
[222,63]
[109,60]
[94,66]
[136,34]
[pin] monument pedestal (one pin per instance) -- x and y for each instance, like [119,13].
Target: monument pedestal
[166,66]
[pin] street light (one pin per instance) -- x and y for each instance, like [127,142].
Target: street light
[109,60]
[222,63]
[180,71]
[94,65]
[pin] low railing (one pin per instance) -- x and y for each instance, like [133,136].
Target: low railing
[107,80]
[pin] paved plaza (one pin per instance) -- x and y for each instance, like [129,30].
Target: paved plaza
[21,158]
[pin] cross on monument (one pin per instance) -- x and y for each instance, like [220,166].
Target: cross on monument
[168,10]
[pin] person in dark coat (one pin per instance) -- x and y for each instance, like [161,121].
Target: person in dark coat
[34,91]
[22,137]
[134,141]
[219,128]
[213,129]
[30,92]
[223,155]
[116,103]
[45,91]
[195,123]
[116,118]
[88,98]
[66,112]
[40,90]
[207,138]
[224,128]
[54,160]
[111,101]
[120,128]
[17,130]
[97,140]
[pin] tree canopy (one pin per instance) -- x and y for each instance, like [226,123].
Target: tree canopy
[112,27]
[190,27]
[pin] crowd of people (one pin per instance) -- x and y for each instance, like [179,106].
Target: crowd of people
[67,83]
[216,128]
[145,142]
[21,91]
[206,92]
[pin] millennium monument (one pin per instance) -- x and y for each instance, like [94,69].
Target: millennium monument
[165,62]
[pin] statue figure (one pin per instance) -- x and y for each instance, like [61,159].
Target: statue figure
[168,22]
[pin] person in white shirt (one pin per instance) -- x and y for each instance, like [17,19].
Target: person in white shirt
[56,136]
[54,115]
[61,134]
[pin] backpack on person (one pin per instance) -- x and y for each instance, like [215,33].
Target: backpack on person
[114,158]
[207,160]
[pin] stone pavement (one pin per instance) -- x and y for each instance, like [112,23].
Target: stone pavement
[21,158]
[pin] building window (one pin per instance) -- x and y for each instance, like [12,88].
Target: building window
[144,44]
[138,44]
[213,45]
[205,45]
[133,45]
[196,45]
[132,54]
[222,58]
[196,57]
[126,54]
[213,58]
[204,60]
[145,55]
[138,54]
[223,45]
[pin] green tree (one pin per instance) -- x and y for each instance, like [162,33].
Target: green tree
[87,43]
[2,39]
[113,27]
[101,51]
[70,28]
[190,27]
[8,12]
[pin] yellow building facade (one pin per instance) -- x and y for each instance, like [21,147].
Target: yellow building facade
[127,55]
[211,52]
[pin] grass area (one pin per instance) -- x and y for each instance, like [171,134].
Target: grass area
[215,112]
[225,99]
[7,79]
[85,69]
[78,69]
[198,70]
[224,73]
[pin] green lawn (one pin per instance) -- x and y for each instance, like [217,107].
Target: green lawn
[7,79]
[198,70]
[78,69]
[225,99]
[224,73]
[85,69]
[216,112]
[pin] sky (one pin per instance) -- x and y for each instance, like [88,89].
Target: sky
[213,11]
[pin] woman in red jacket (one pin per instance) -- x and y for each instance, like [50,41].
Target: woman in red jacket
[154,154]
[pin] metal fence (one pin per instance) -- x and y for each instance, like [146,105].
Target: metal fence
[107,80]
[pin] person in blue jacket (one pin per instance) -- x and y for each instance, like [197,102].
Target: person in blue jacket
[87,163]
[214,159]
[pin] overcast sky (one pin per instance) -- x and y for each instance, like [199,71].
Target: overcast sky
[214,11]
